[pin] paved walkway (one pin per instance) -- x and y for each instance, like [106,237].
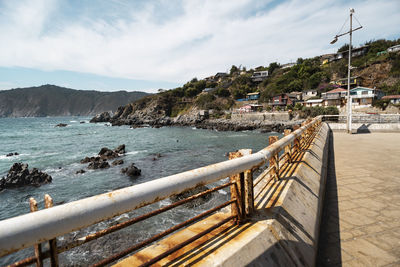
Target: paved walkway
[361,220]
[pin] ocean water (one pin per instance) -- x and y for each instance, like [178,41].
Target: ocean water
[58,151]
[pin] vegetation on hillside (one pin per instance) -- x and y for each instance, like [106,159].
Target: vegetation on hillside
[306,74]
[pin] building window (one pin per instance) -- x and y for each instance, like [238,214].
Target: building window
[364,92]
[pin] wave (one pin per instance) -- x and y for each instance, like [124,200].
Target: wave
[135,152]
[3,157]
[73,121]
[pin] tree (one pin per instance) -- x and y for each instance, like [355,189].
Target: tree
[273,66]
[233,70]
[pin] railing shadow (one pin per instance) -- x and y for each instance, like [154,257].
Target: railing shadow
[329,248]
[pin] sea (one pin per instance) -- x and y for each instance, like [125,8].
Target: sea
[158,152]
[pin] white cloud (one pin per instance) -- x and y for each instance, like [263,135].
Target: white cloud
[200,39]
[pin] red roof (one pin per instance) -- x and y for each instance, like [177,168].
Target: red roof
[337,90]
[391,97]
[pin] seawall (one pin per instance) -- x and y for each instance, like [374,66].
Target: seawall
[262,116]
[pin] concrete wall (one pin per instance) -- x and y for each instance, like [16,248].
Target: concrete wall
[261,116]
[286,234]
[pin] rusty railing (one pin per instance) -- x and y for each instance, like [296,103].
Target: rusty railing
[48,224]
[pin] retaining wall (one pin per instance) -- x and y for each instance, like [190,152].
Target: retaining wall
[258,116]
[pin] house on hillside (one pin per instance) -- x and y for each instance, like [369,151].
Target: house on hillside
[282,100]
[253,96]
[354,82]
[309,93]
[250,108]
[209,79]
[259,76]
[297,95]
[324,59]
[313,103]
[335,97]
[288,65]
[363,96]
[394,99]
[209,90]
[355,52]
[394,48]
[220,75]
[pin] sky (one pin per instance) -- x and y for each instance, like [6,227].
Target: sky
[144,45]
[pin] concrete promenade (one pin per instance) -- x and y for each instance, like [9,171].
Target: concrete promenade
[361,217]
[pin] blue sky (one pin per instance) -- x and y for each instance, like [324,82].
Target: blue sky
[146,45]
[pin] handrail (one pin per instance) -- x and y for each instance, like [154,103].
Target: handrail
[29,229]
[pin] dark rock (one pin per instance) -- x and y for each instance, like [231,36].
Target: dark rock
[61,125]
[132,170]
[80,172]
[81,122]
[10,154]
[103,117]
[85,160]
[19,175]
[106,153]
[120,149]
[16,153]
[196,202]
[101,164]
[117,162]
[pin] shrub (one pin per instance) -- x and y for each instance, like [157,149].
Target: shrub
[381,103]
[204,99]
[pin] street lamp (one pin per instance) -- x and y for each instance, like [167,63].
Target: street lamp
[348,124]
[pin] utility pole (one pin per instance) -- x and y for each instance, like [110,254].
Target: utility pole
[349,104]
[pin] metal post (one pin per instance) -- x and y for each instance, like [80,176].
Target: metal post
[48,203]
[274,161]
[236,189]
[242,190]
[248,186]
[349,105]
[38,247]
[288,148]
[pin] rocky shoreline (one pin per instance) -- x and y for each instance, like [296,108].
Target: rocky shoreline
[137,120]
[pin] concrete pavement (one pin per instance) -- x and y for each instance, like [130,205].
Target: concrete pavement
[361,217]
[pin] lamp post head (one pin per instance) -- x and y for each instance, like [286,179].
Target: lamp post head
[334,40]
[352,10]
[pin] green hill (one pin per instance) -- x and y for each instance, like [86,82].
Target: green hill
[51,100]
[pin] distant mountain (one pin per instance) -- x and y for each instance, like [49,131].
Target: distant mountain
[51,100]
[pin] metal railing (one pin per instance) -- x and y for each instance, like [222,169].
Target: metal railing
[364,118]
[48,224]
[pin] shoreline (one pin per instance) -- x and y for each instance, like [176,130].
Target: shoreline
[209,124]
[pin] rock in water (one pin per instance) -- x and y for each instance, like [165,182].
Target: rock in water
[100,164]
[196,202]
[120,149]
[132,170]
[61,125]
[80,172]
[117,162]
[103,117]
[19,175]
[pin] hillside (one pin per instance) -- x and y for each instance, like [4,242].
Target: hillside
[51,100]
[180,106]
